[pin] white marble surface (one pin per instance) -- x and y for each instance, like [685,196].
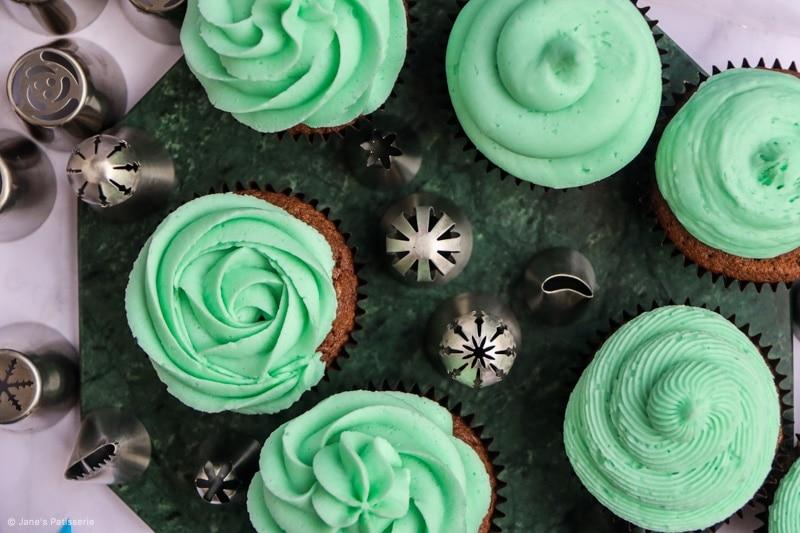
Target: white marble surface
[38,283]
[38,275]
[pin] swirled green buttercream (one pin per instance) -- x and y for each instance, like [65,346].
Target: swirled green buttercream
[728,164]
[560,93]
[276,64]
[674,424]
[230,298]
[369,461]
[784,513]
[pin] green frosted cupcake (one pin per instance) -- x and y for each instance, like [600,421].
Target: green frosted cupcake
[373,461]
[674,424]
[784,513]
[558,93]
[242,300]
[728,168]
[307,66]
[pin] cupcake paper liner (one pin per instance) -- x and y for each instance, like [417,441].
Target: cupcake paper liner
[701,271]
[614,324]
[352,342]
[787,456]
[460,135]
[677,99]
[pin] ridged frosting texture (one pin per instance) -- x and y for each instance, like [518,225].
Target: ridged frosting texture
[276,64]
[367,461]
[230,298]
[674,424]
[728,164]
[784,513]
[560,93]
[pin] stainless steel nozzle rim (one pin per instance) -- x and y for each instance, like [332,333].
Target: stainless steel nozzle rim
[428,239]
[20,386]
[54,17]
[104,170]
[47,87]
[5,185]
[27,186]
[123,173]
[157,6]
[38,377]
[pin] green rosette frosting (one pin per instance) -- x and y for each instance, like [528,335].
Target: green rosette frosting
[369,461]
[674,424]
[560,93]
[728,164]
[230,298]
[784,513]
[275,64]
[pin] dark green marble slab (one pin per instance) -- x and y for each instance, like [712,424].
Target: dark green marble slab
[608,222]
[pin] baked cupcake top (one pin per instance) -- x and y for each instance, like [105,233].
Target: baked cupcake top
[276,64]
[784,513]
[560,93]
[728,164]
[674,424]
[369,461]
[230,298]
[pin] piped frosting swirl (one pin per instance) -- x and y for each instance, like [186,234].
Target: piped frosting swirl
[230,298]
[560,93]
[728,164]
[369,461]
[674,424]
[276,64]
[784,513]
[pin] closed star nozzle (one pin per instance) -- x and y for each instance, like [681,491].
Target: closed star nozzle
[384,155]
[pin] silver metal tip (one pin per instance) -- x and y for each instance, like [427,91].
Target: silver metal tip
[104,171]
[157,6]
[559,284]
[20,384]
[217,483]
[428,239]
[112,447]
[92,463]
[47,87]
[478,349]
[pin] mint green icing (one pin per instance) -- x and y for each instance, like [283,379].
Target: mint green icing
[230,298]
[673,426]
[369,462]
[558,93]
[728,164]
[275,64]
[784,513]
